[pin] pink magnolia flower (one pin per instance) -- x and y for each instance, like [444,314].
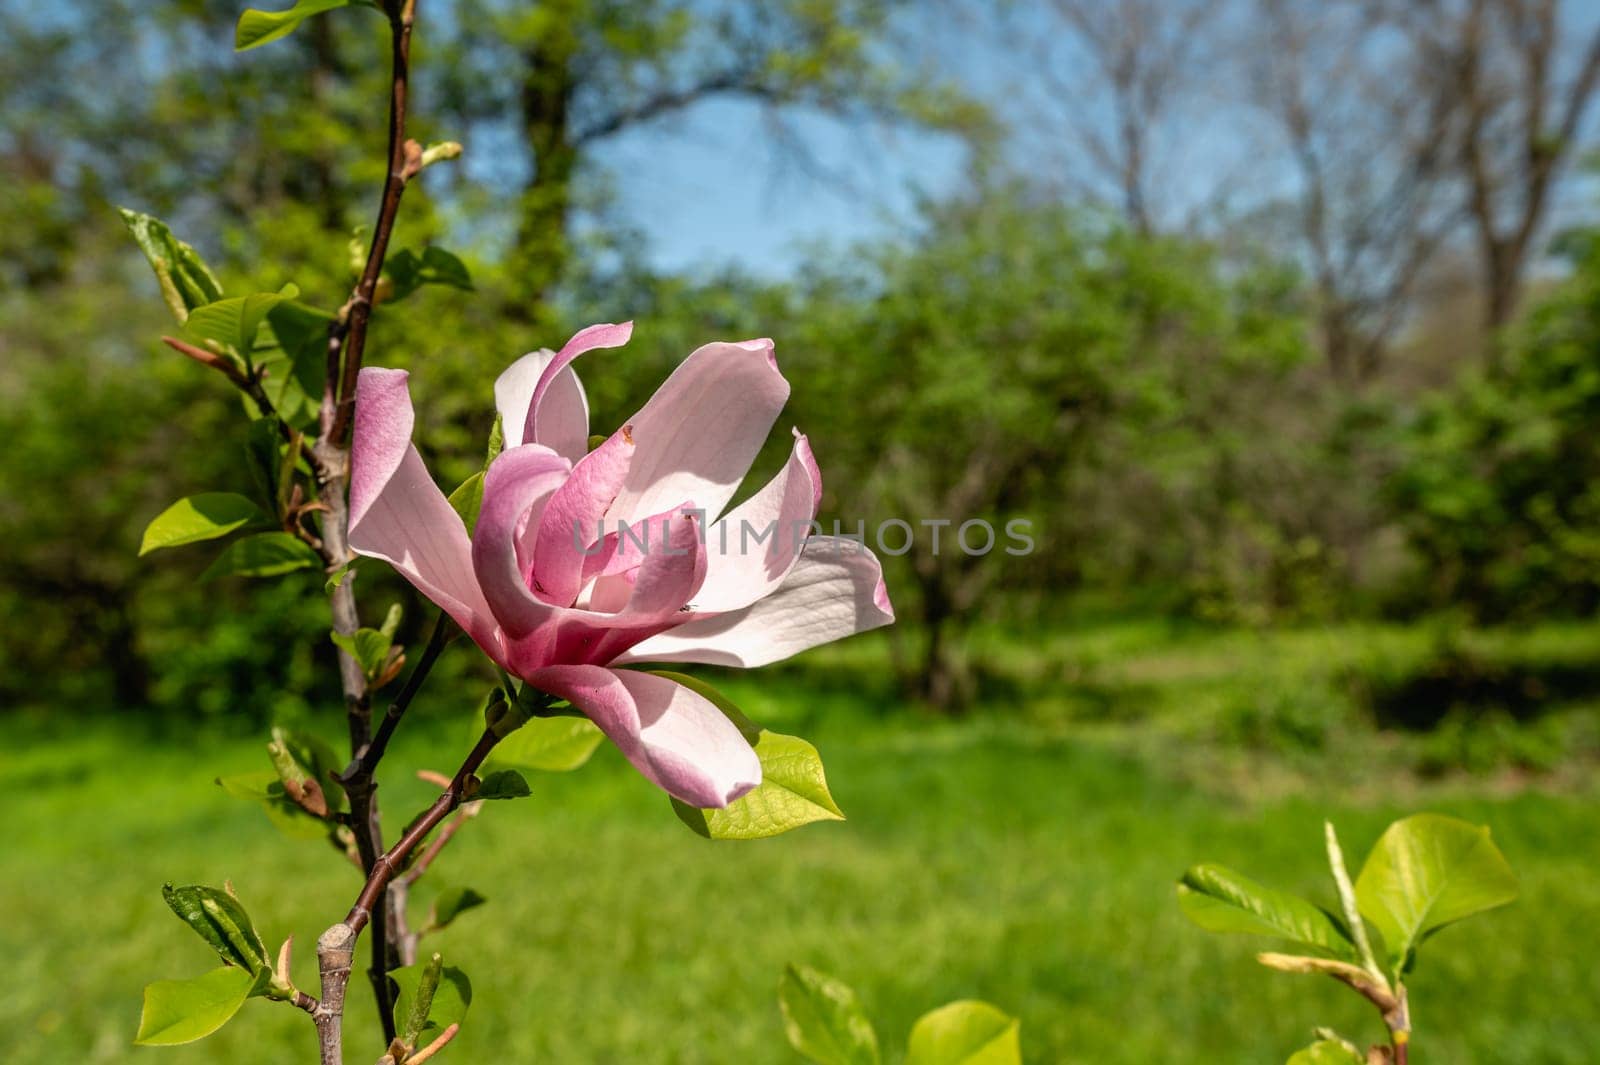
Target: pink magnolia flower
[562,611]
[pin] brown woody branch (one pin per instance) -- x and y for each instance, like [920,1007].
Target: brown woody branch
[336,947]
[346,346]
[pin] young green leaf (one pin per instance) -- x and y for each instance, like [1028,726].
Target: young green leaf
[965,1033]
[550,744]
[1326,1052]
[186,281]
[192,519]
[450,999]
[234,322]
[256,28]
[1221,900]
[793,789]
[824,1020]
[369,647]
[219,919]
[452,903]
[262,555]
[1428,871]
[504,784]
[793,792]
[407,271]
[181,1011]
[467,500]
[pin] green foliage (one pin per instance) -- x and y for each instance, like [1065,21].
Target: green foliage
[181,1011]
[1220,900]
[407,271]
[218,918]
[234,322]
[552,744]
[1429,871]
[450,904]
[965,1033]
[446,1001]
[270,554]
[793,789]
[206,516]
[824,1020]
[1326,1052]
[503,784]
[1499,489]
[186,281]
[262,27]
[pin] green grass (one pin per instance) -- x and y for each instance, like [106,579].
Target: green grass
[1026,858]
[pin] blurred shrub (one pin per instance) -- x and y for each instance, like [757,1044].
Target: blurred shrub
[1500,489]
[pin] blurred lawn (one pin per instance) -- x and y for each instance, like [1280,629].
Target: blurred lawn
[1026,858]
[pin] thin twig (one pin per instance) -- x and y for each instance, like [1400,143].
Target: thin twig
[366,761]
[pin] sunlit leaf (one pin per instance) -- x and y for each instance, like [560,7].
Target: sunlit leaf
[206,516]
[1220,900]
[262,555]
[256,28]
[186,281]
[1428,871]
[181,1011]
[824,1020]
[965,1033]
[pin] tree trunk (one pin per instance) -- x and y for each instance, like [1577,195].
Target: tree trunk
[542,252]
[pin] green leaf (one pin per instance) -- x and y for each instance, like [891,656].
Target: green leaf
[1428,871]
[234,322]
[218,918]
[256,28]
[199,517]
[793,789]
[793,792]
[503,784]
[181,1011]
[1326,1052]
[262,555]
[450,999]
[467,500]
[824,1020]
[452,903]
[302,758]
[302,332]
[551,744]
[369,647]
[408,271]
[965,1033]
[186,281]
[1221,900]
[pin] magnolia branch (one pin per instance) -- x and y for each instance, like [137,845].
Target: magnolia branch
[346,346]
[336,947]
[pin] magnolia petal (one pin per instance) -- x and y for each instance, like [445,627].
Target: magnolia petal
[549,420]
[564,417]
[834,590]
[749,552]
[568,524]
[673,568]
[698,434]
[677,738]
[399,515]
[515,488]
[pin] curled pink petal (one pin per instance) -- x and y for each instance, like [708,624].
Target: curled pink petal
[399,515]
[563,417]
[697,436]
[570,520]
[516,486]
[546,421]
[678,739]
